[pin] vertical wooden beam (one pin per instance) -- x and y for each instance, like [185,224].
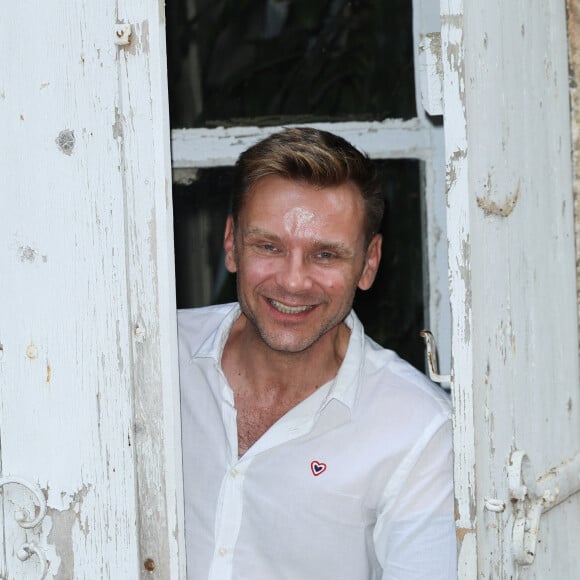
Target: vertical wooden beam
[574,60]
[459,247]
[143,120]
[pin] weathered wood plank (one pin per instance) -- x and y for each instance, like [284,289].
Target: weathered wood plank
[459,248]
[147,170]
[74,241]
[221,146]
[512,267]
[574,58]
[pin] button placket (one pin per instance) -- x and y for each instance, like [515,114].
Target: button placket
[228,521]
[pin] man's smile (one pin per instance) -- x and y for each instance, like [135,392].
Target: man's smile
[285,309]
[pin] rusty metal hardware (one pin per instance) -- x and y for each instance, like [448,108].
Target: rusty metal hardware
[123,34]
[532,496]
[432,365]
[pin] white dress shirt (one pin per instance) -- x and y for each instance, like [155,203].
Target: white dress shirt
[354,483]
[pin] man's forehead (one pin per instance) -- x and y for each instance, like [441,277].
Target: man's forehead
[298,218]
[302,197]
[294,208]
[280,182]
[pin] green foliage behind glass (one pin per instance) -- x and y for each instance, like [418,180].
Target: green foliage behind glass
[276,61]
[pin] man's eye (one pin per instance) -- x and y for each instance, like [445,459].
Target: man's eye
[325,255]
[268,247]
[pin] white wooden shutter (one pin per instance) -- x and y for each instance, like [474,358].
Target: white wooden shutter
[89,413]
[515,373]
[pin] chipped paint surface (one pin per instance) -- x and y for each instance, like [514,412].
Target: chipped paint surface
[574,58]
[512,273]
[88,243]
[492,207]
[392,138]
[63,525]
[66,141]
[459,248]
[29,254]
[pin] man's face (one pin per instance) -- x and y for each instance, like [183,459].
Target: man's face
[299,253]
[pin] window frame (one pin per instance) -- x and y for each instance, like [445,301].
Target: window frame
[420,138]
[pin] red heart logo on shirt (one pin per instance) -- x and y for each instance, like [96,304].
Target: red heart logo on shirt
[317,468]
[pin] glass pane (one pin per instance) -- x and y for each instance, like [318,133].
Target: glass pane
[392,310]
[199,214]
[270,62]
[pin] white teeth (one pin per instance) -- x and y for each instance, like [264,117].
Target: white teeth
[288,309]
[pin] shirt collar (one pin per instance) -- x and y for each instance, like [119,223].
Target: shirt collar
[213,345]
[346,383]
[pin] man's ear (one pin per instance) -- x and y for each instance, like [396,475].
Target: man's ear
[372,261]
[230,246]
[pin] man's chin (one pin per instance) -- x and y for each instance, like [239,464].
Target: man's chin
[290,346]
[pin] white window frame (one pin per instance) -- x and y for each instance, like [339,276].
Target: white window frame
[418,138]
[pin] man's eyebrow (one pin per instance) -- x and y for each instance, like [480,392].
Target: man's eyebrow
[259,232]
[318,245]
[336,247]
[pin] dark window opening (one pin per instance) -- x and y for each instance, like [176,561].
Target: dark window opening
[392,310]
[274,62]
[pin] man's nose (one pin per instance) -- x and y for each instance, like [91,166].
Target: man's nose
[294,274]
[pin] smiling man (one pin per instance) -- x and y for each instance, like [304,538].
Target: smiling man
[309,451]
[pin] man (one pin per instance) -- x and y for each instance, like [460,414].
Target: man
[310,452]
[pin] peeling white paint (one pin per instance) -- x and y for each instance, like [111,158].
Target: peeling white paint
[392,138]
[492,207]
[66,141]
[460,286]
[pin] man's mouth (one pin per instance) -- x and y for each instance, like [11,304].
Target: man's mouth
[288,309]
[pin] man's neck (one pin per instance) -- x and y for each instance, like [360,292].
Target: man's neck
[257,370]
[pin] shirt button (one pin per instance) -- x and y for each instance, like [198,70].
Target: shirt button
[234,472]
[222,551]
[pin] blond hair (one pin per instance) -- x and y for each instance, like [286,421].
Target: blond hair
[315,157]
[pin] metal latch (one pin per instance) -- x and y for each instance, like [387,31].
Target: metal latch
[432,365]
[532,496]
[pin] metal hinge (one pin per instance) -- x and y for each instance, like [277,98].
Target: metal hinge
[532,496]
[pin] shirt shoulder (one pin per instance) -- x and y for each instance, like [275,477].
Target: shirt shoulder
[401,390]
[196,325]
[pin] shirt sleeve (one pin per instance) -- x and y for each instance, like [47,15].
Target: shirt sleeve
[415,532]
